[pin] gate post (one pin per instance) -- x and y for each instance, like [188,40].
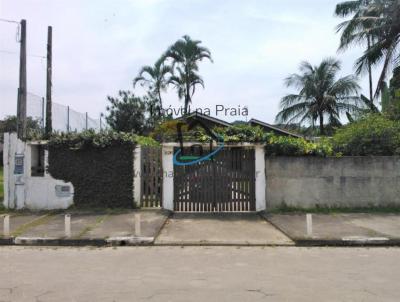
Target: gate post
[137,176]
[168,177]
[260,177]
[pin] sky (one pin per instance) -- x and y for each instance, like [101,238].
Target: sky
[100,45]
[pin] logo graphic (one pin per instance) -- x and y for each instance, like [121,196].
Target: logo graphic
[182,159]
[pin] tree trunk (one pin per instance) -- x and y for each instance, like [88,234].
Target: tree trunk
[160,102]
[187,97]
[371,96]
[321,124]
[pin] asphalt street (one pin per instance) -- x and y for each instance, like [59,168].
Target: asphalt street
[199,274]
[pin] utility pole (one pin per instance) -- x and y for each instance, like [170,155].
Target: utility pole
[22,89]
[49,124]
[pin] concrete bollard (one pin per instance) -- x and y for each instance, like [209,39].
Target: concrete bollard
[67,223]
[6,226]
[137,225]
[309,225]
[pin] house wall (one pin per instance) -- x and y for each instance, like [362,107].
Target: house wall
[346,182]
[21,190]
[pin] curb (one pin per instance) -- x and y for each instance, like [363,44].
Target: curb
[149,241]
[346,243]
[41,241]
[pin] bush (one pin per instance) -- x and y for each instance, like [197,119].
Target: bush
[291,146]
[372,135]
[92,139]
[241,133]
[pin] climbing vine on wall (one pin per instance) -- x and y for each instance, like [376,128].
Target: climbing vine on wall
[100,167]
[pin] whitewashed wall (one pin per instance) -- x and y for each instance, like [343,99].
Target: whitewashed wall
[26,191]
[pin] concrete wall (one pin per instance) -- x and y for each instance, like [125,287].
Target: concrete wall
[21,189]
[345,182]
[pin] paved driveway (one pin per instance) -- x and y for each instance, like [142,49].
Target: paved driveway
[220,228]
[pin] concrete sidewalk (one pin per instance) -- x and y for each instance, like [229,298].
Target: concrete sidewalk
[86,228]
[340,229]
[159,227]
[220,229]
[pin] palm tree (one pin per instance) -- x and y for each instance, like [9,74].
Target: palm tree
[185,55]
[321,96]
[357,8]
[155,78]
[376,21]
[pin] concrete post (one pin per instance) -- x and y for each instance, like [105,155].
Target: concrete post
[309,225]
[6,226]
[260,177]
[137,176]
[67,222]
[168,179]
[137,225]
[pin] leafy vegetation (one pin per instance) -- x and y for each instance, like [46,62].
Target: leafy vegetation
[375,23]
[155,78]
[94,169]
[9,124]
[185,55]
[321,96]
[126,113]
[92,139]
[371,135]
[290,146]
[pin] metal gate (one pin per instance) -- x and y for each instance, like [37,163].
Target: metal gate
[225,183]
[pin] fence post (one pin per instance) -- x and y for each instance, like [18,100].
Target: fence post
[260,177]
[6,226]
[168,182]
[68,119]
[137,177]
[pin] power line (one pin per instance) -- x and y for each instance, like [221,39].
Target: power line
[16,53]
[9,21]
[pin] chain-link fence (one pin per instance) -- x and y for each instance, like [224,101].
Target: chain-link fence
[64,119]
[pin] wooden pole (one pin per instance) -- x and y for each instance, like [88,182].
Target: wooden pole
[22,89]
[43,115]
[49,124]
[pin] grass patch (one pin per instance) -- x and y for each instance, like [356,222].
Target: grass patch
[25,227]
[285,209]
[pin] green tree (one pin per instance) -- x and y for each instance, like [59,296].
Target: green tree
[377,23]
[320,95]
[154,78]
[356,8]
[9,124]
[126,113]
[185,55]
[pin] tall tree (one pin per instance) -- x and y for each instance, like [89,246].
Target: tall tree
[377,24]
[321,96]
[155,78]
[185,55]
[356,8]
[126,113]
